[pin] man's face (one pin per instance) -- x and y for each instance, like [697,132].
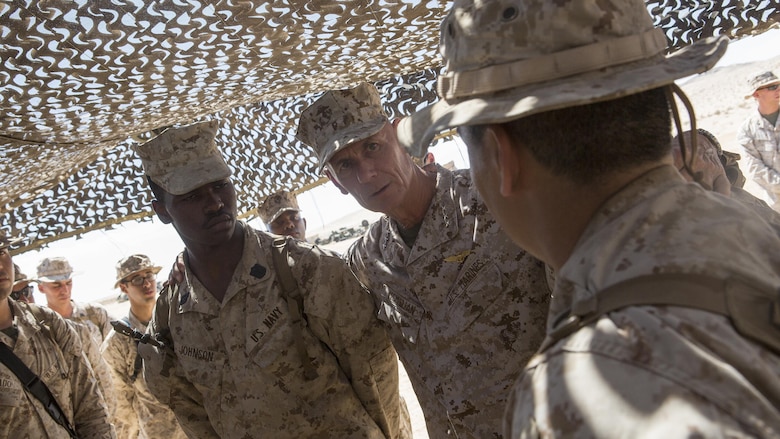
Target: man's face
[377,171]
[6,274]
[204,216]
[23,292]
[57,293]
[141,287]
[289,223]
[768,96]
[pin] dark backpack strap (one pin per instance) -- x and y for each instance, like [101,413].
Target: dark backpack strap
[138,365]
[753,309]
[35,387]
[294,303]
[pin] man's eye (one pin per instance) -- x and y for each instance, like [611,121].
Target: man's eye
[372,146]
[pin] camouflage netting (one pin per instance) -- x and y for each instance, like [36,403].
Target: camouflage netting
[81,81]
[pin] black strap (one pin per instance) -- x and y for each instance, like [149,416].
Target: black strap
[36,387]
[294,303]
[138,365]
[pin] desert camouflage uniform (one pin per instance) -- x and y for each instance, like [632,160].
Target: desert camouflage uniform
[466,308]
[99,366]
[758,206]
[138,413]
[95,317]
[236,371]
[761,144]
[54,355]
[656,371]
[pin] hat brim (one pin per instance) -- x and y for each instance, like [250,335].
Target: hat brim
[56,278]
[417,131]
[202,173]
[354,134]
[768,84]
[156,269]
[280,212]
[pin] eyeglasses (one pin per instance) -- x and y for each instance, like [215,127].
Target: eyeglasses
[770,87]
[26,292]
[140,280]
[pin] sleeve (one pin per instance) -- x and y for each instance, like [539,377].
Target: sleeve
[344,319]
[757,168]
[90,414]
[116,352]
[164,377]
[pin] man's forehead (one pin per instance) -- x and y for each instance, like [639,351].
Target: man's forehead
[352,148]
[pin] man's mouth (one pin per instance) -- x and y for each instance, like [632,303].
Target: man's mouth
[219,219]
[382,189]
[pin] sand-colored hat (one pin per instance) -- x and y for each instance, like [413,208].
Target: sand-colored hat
[507,59]
[7,241]
[276,204]
[134,264]
[20,277]
[340,117]
[54,269]
[759,80]
[185,158]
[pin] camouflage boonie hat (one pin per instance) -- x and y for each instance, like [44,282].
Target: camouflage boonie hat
[759,80]
[340,117]
[276,204]
[7,241]
[20,277]
[185,158]
[507,59]
[133,264]
[54,270]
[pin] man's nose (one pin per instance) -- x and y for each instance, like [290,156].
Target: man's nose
[365,171]
[214,201]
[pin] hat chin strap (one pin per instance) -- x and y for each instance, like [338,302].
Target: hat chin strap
[672,90]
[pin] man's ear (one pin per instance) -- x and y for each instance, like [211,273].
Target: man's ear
[123,287]
[504,153]
[335,182]
[161,211]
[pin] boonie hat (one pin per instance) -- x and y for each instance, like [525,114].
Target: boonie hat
[759,80]
[20,277]
[134,264]
[185,158]
[54,270]
[7,241]
[340,117]
[507,59]
[276,204]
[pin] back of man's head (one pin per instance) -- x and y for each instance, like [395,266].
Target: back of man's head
[564,62]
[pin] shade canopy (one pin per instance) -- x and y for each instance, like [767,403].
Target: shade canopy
[82,80]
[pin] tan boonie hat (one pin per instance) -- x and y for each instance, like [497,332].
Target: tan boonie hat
[185,158]
[20,277]
[511,59]
[276,204]
[340,117]
[133,264]
[54,270]
[759,80]
[7,241]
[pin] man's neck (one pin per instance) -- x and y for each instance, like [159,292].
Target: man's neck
[142,311]
[6,316]
[416,201]
[65,310]
[214,265]
[767,108]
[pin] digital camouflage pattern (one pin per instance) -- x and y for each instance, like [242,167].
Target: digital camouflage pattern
[758,206]
[100,368]
[506,59]
[760,143]
[340,117]
[183,159]
[55,355]
[94,317]
[656,371]
[465,307]
[276,204]
[134,264]
[232,369]
[138,413]
[54,270]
